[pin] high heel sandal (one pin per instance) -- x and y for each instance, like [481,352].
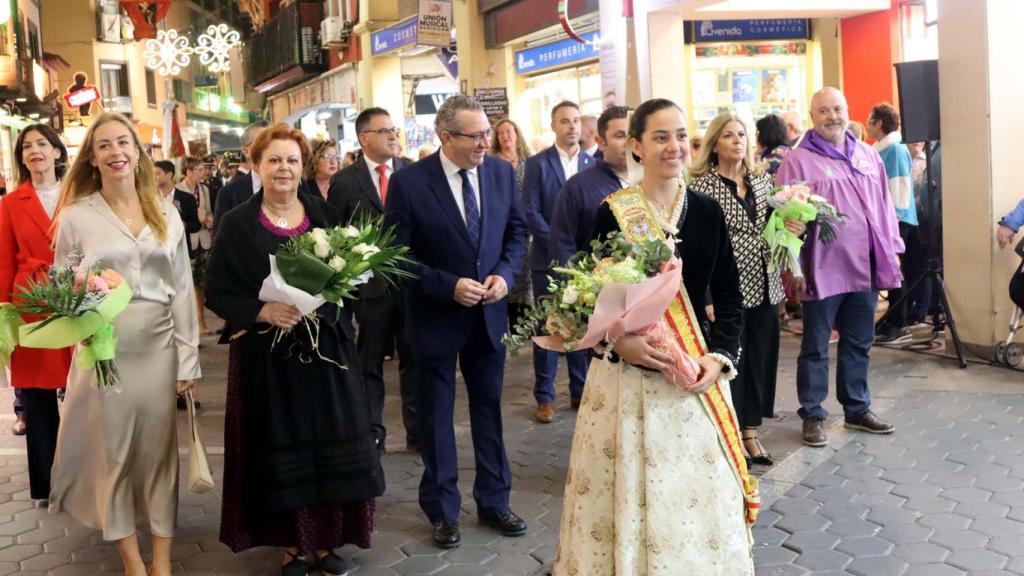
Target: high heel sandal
[333,565]
[762,457]
[297,566]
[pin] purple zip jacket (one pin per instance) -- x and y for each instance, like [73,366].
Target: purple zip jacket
[854,181]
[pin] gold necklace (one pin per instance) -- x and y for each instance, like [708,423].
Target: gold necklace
[282,221]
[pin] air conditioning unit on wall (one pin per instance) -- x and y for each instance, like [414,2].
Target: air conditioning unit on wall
[335,32]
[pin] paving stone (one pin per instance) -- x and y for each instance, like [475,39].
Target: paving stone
[419,565]
[961,539]
[816,540]
[820,560]
[877,566]
[892,516]
[773,555]
[769,536]
[853,528]
[798,523]
[905,533]
[862,547]
[920,553]
[945,521]
[967,494]
[782,570]
[1000,484]
[982,510]
[929,504]
[998,527]
[796,506]
[974,560]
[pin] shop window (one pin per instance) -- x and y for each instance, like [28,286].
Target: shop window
[114,87]
[581,85]
[150,88]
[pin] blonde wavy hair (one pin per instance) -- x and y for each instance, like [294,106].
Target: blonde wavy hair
[317,150]
[82,179]
[707,159]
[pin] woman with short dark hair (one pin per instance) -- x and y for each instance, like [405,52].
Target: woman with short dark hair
[771,142]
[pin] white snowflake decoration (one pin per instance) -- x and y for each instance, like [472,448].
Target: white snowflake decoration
[168,53]
[213,47]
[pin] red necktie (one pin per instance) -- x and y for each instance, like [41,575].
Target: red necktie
[382,171]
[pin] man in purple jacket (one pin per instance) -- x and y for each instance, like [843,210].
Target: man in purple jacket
[842,279]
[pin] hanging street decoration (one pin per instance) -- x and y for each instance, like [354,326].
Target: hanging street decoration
[144,15]
[168,54]
[213,47]
[563,17]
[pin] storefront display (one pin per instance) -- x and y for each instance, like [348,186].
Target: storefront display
[750,67]
[754,79]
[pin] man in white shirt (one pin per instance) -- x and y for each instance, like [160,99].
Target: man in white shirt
[546,173]
[458,213]
[360,191]
[588,136]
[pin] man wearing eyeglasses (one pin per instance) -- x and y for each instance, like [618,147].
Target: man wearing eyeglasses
[842,278]
[458,213]
[546,173]
[360,190]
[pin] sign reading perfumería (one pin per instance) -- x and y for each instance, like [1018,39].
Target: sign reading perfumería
[434,26]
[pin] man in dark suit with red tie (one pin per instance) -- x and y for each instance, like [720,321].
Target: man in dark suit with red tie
[457,210]
[361,190]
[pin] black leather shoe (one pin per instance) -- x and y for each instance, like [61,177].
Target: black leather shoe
[505,522]
[446,534]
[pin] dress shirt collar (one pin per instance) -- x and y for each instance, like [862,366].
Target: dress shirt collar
[257,182]
[566,158]
[451,168]
[373,165]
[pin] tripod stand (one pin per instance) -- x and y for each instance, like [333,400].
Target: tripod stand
[943,315]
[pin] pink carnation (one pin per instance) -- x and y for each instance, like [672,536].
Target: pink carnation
[800,191]
[97,284]
[80,278]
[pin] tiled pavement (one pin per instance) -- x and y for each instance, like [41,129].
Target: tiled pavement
[945,490]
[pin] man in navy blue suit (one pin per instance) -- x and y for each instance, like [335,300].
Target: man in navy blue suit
[546,173]
[582,194]
[458,213]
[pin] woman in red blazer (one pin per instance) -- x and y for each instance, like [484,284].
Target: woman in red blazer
[26,251]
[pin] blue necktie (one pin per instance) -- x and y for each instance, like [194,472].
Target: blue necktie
[472,211]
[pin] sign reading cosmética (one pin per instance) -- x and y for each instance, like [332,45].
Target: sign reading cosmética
[729,30]
[434,23]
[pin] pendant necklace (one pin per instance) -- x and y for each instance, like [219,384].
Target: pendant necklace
[281,221]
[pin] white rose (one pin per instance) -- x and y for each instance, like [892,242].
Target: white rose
[366,250]
[337,263]
[321,248]
[350,232]
[570,295]
[318,235]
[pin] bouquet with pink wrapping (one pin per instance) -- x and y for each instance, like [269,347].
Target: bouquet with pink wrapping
[618,289]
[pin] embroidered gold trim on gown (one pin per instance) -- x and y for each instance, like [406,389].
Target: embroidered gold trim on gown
[649,490]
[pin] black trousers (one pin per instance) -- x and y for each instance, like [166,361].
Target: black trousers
[42,420]
[753,389]
[381,323]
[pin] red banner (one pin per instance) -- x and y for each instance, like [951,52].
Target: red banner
[145,14]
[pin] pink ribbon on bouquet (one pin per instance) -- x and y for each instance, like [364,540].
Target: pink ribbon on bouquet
[637,309]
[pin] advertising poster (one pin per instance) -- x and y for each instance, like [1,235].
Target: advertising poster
[774,87]
[745,85]
[434,26]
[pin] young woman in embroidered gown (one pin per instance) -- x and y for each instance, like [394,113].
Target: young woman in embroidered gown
[657,485]
[117,453]
[26,252]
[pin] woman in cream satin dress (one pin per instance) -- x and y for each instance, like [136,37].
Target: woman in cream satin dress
[117,452]
[650,490]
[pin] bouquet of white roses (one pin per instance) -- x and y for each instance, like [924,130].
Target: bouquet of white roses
[329,264]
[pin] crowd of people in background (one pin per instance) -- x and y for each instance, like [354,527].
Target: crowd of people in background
[485,220]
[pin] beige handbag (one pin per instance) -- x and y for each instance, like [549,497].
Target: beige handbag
[200,479]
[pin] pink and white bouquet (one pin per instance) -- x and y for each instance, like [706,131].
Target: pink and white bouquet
[796,202]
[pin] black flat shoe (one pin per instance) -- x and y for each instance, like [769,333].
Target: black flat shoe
[446,534]
[297,566]
[333,565]
[504,521]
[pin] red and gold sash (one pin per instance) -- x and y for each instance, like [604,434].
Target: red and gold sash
[637,223]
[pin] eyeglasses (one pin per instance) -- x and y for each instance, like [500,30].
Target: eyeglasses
[330,157]
[478,137]
[384,132]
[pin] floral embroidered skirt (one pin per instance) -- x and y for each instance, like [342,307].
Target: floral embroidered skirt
[649,490]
